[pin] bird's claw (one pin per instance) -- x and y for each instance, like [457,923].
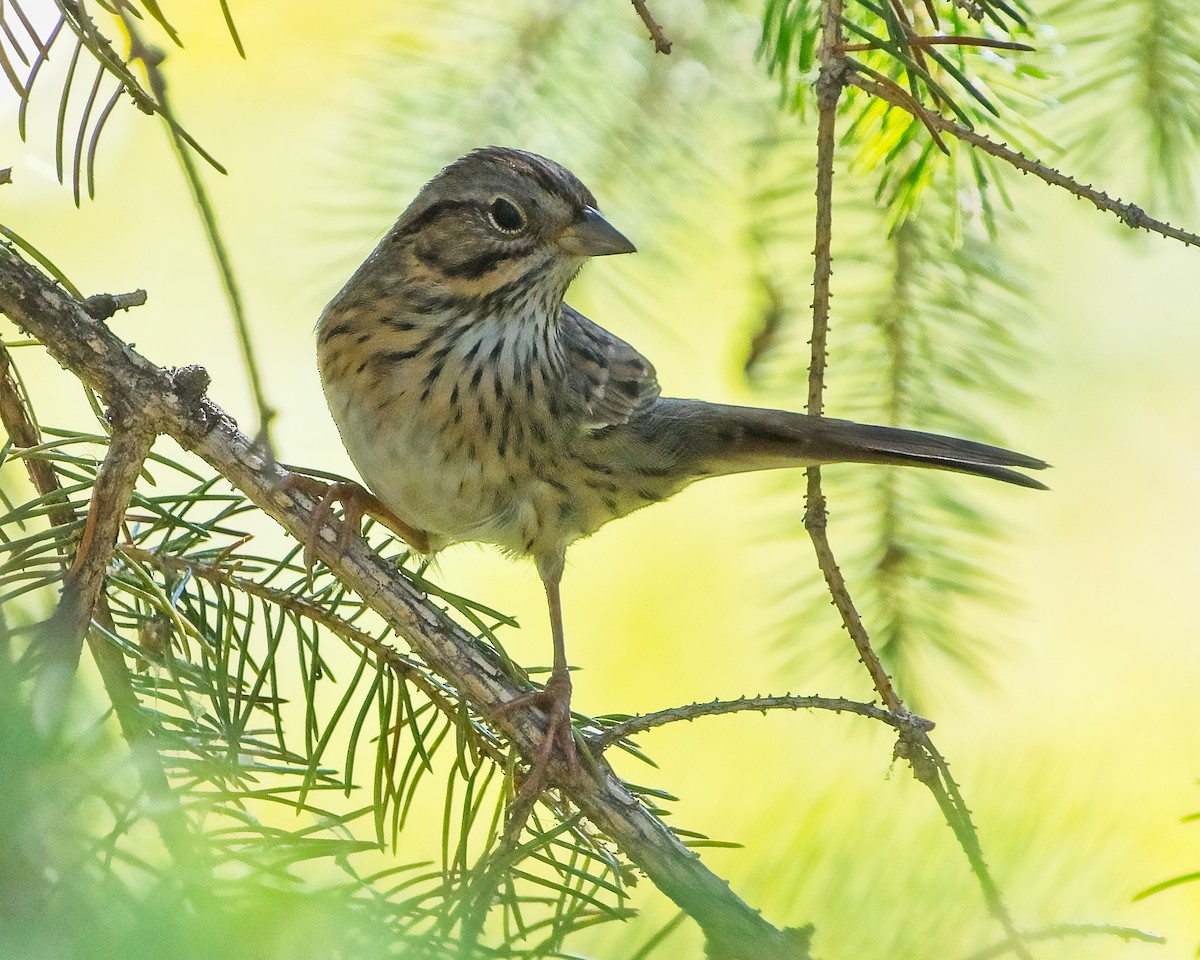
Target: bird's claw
[357,501]
[554,699]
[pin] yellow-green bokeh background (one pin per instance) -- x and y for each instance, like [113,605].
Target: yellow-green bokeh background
[1079,757]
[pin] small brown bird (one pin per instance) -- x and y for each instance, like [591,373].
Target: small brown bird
[478,406]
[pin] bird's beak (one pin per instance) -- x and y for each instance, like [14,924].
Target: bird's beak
[593,236]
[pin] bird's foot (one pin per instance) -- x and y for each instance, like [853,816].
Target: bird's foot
[357,501]
[555,700]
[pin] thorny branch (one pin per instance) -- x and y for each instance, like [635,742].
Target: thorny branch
[931,769]
[1061,931]
[170,403]
[914,744]
[692,711]
[829,89]
[1128,213]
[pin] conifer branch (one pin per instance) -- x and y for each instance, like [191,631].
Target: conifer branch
[1130,214]
[734,930]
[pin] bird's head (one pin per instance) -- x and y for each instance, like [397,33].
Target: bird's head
[499,220]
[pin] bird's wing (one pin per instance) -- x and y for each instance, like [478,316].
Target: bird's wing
[615,382]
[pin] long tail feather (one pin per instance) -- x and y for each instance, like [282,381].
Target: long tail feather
[728,439]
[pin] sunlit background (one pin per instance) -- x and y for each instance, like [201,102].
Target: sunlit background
[1078,745]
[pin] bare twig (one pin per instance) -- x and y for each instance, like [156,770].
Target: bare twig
[103,306]
[92,352]
[111,493]
[1130,214]
[692,711]
[661,43]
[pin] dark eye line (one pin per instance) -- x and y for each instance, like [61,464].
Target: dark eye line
[434,211]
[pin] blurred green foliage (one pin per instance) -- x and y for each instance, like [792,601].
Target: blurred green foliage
[933,330]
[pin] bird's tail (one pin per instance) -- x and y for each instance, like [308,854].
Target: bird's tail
[729,439]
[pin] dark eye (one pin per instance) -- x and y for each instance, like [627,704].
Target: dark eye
[506,216]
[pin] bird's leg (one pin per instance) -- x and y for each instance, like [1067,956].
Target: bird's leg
[556,693]
[555,696]
[356,501]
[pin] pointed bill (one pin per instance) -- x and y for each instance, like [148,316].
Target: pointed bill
[593,236]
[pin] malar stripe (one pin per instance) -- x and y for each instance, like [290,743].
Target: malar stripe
[513,292]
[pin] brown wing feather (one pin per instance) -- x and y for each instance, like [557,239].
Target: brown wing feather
[615,382]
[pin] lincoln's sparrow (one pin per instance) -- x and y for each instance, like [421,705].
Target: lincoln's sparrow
[478,406]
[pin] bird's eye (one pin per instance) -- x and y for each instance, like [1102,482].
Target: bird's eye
[506,216]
